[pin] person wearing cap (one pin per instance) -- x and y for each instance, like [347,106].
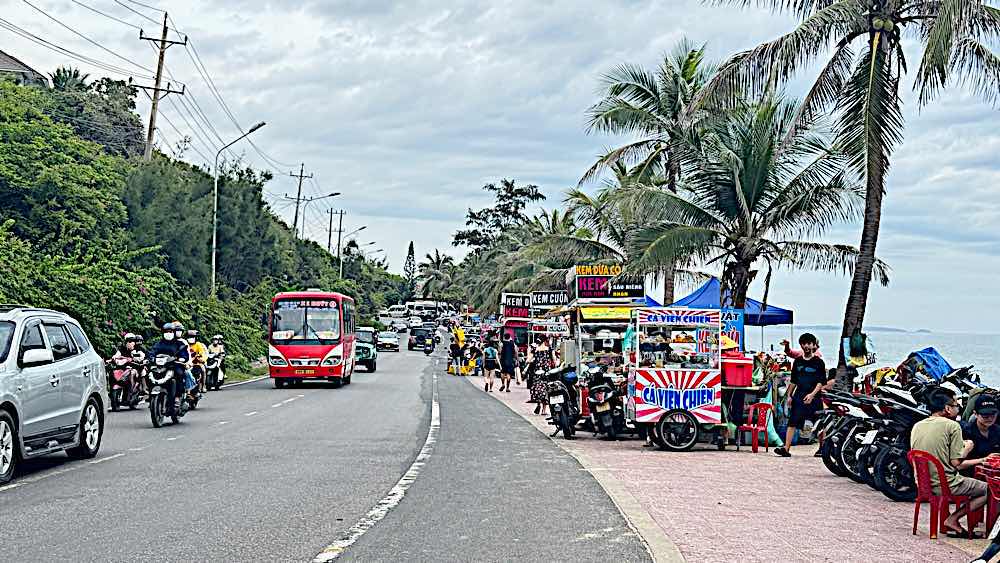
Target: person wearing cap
[982,432]
[802,397]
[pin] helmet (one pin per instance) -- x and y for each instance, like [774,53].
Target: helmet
[192,333]
[129,337]
[168,327]
[218,337]
[178,327]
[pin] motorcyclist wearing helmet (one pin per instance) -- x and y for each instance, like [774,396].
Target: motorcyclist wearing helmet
[176,347]
[131,347]
[199,355]
[218,347]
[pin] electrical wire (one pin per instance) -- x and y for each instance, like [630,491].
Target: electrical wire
[182,136]
[109,16]
[140,14]
[193,130]
[20,31]
[147,6]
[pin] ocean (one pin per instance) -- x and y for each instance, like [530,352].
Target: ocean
[891,348]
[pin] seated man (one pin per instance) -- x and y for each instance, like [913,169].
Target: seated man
[982,432]
[940,436]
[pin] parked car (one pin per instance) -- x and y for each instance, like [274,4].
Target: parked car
[53,388]
[400,325]
[388,340]
[366,347]
[417,337]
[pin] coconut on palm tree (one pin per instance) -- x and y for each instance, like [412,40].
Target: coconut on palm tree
[758,181]
[860,79]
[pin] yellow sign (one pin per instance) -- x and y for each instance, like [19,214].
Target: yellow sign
[606,313]
[599,270]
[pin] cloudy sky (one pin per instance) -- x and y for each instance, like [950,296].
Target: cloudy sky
[408,108]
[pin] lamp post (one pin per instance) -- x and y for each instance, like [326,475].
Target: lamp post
[340,261]
[306,204]
[215,200]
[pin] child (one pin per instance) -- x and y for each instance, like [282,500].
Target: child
[808,379]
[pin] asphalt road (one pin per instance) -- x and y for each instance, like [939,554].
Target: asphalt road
[261,474]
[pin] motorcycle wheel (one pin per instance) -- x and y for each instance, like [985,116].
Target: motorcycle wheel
[849,456]
[678,430]
[115,400]
[894,476]
[156,409]
[831,454]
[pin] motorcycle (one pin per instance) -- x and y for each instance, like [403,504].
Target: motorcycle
[124,380]
[604,398]
[564,412]
[214,376]
[163,370]
[194,394]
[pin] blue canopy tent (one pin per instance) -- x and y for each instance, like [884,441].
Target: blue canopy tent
[754,314]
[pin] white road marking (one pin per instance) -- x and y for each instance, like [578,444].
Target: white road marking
[245,382]
[103,459]
[289,400]
[9,487]
[396,494]
[136,449]
[251,413]
[172,438]
[50,474]
[221,422]
[276,405]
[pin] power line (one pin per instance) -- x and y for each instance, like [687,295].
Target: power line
[85,38]
[183,136]
[145,6]
[188,123]
[17,30]
[140,14]
[109,16]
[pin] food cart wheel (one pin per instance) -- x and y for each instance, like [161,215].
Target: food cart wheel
[677,431]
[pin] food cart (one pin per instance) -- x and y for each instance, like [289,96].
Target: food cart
[675,376]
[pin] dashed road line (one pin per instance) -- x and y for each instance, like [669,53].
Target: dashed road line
[251,413]
[245,382]
[276,405]
[9,487]
[221,422]
[172,438]
[396,494]
[136,449]
[103,459]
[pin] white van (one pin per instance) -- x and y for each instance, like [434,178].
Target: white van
[397,311]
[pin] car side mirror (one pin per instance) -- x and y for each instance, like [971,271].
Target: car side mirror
[36,357]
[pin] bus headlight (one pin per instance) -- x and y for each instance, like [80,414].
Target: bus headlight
[277,361]
[331,361]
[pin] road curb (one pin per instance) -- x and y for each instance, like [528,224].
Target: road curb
[660,547]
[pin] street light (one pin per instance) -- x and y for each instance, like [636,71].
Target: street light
[215,199]
[339,260]
[306,204]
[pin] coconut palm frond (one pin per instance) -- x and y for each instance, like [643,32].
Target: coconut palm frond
[979,68]
[824,92]
[834,258]
[626,155]
[661,244]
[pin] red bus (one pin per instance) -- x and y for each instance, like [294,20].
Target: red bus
[311,336]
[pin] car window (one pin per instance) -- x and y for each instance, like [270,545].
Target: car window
[79,337]
[31,340]
[62,345]
[6,336]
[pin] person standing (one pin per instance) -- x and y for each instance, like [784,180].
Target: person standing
[456,355]
[808,379]
[508,358]
[490,365]
[543,363]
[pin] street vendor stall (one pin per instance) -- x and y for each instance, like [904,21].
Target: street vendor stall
[675,376]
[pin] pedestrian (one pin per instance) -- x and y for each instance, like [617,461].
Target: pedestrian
[490,365]
[475,356]
[982,432]
[941,436]
[508,357]
[796,354]
[543,363]
[456,356]
[802,396]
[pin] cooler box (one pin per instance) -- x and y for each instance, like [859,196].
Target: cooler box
[737,370]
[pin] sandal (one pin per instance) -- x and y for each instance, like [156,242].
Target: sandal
[960,533]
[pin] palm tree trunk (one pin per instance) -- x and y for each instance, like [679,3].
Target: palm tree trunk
[736,278]
[669,284]
[857,299]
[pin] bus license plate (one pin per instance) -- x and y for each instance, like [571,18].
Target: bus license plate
[305,371]
[556,399]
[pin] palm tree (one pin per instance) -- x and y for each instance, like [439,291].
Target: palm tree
[436,273]
[863,86]
[752,187]
[66,79]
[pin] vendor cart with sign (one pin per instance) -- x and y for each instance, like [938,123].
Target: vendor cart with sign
[675,376]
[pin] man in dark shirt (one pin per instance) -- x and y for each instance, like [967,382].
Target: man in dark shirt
[983,433]
[508,357]
[808,379]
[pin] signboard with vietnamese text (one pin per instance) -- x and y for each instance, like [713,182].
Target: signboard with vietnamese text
[601,287]
[548,299]
[515,306]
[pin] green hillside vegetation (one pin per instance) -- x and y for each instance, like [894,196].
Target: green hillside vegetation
[122,245]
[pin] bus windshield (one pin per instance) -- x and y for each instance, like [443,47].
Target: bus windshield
[306,322]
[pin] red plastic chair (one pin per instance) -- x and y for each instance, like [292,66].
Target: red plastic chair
[940,504]
[759,412]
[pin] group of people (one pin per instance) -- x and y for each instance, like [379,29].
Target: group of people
[488,358]
[184,345]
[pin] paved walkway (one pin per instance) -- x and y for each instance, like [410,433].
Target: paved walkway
[725,506]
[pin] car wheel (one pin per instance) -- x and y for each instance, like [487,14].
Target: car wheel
[337,382]
[279,383]
[371,367]
[91,432]
[9,454]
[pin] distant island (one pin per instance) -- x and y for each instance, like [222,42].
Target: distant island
[865,329]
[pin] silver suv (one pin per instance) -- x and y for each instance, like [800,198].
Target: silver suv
[52,388]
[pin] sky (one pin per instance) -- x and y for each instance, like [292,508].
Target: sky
[409,108]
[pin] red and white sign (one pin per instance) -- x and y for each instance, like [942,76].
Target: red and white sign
[678,316]
[658,390]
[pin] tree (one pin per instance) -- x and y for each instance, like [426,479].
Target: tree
[437,273]
[756,180]
[863,86]
[489,224]
[655,107]
[410,272]
[67,79]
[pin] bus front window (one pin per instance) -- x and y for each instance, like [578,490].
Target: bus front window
[306,322]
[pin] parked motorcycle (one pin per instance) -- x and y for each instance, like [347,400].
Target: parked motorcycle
[214,376]
[604,399]
[164,369]
[125,380]
[564,409]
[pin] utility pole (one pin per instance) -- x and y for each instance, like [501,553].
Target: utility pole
[329,237]
[298,197]
[163,45]
[340,230]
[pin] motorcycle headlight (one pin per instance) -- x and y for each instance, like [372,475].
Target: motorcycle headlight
[332,361]
[277,361]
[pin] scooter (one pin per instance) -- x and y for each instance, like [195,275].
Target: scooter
[166,369]
[124,376]
[605,402]
[564,412]
[428,347]
[194,394]
[214,376]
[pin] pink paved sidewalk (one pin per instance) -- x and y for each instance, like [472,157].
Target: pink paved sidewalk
[729,506]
